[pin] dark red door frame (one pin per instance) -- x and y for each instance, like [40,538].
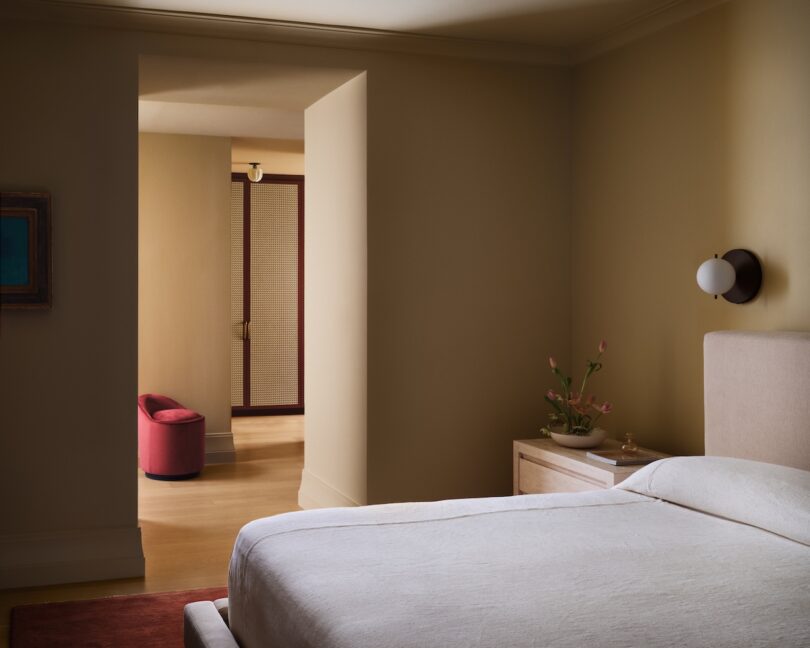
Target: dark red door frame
[293,408]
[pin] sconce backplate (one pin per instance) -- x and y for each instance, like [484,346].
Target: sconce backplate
[749,276]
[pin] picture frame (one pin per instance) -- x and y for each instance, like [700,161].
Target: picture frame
[25,250]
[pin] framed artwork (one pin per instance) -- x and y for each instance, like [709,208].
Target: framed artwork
[25,250]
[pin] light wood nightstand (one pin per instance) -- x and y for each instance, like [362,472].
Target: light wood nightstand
[542,466]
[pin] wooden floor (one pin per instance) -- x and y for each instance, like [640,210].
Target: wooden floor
[189,527]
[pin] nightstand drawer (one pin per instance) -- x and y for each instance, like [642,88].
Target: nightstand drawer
[542,466]
[534,478]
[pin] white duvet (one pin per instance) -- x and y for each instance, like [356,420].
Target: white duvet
[606,568]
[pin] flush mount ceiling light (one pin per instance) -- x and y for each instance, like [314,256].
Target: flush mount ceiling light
[737,276]
[255,172]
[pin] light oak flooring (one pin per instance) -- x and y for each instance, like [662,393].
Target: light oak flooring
[189,527]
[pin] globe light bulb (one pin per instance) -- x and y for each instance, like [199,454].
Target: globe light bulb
[716,276]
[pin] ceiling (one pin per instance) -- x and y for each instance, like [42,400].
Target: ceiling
[546,23]
[283,87]
[219,120]
[207,97]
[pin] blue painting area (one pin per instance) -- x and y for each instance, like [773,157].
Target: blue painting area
[13,251]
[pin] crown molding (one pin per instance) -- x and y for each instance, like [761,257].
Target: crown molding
[641,26]
[351,38]
[285,32]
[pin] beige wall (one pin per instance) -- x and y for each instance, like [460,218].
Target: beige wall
[468,230]
[184,282]
[68,376]
[466,267]
[277,156]
[335,299]
[691,142]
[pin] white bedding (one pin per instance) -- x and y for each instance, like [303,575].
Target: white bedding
[606,568]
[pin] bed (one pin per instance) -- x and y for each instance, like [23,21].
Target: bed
[689,551]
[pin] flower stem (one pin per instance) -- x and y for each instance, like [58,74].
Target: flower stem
[587,375]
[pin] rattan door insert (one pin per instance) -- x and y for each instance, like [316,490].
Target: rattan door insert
[267,318]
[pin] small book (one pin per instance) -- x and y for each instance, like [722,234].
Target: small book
[620,458]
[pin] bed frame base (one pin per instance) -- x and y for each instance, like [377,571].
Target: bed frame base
[205,625]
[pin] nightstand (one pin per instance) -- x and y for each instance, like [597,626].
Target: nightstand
[542,466]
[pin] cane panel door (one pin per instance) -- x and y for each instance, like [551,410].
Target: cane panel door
[267,342]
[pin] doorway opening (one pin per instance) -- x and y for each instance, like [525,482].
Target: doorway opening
[220,286]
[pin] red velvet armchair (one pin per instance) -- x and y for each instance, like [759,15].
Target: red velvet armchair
[171,439]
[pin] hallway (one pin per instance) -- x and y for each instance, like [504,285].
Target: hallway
[189,527]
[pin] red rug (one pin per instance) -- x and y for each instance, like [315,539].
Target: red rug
[138,621]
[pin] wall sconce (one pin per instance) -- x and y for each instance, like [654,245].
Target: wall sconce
[737,276]
[255,172]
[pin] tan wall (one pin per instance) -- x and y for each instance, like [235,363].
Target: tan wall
[68,376]
[335,299]
[276,156]
[184,281]
[468,232]
[691,142]
[466,257]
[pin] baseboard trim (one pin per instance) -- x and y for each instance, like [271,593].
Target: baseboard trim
[72,556]
[266,411]
[219,448]
[316,493]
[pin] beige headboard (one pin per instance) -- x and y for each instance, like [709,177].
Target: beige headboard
[757,396]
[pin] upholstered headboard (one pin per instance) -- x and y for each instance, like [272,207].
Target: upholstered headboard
[757,396]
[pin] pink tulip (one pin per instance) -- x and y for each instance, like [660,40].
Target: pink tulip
[574,398]
[553,395]
[552,363]
[605,407]
[602,346]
